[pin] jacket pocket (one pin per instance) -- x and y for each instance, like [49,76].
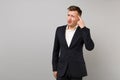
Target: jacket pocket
[61,69]
[78,69]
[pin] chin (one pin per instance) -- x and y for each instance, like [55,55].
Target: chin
[69,24]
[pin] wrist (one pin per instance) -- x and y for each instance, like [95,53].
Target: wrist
[82,27]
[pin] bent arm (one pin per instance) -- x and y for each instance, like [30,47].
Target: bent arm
[89,44]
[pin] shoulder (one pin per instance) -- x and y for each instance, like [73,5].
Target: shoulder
[85,29]
[61,27]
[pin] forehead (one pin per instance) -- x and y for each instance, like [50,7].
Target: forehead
[73,12]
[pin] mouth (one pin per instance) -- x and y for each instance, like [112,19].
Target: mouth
[69,22]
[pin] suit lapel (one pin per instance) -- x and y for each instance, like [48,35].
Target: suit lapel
[74,39]
[64,30]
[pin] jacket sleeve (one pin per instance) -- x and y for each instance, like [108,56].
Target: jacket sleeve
[89,44]
[55,55]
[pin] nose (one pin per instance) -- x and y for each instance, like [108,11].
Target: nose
[69,17]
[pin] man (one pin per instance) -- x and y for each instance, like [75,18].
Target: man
[67,59]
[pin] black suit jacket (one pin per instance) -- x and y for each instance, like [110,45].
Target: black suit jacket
[72,56]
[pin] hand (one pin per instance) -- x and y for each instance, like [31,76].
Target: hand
[55,73]
[81,22]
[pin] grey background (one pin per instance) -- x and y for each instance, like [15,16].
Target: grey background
[27,29]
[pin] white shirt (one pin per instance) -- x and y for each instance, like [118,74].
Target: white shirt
[69,35]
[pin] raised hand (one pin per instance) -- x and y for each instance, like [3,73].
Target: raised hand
[81,22]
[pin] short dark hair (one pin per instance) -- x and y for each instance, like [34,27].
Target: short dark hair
[75,8]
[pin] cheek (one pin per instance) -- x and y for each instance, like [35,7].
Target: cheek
[74,20]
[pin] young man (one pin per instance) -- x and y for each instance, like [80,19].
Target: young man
[67,60]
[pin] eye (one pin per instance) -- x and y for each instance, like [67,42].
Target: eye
[68,14]
[72,16]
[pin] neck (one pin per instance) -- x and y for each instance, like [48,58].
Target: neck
[72,27]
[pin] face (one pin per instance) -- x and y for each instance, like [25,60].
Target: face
[72,18]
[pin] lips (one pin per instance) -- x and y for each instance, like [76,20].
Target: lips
[69,22]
